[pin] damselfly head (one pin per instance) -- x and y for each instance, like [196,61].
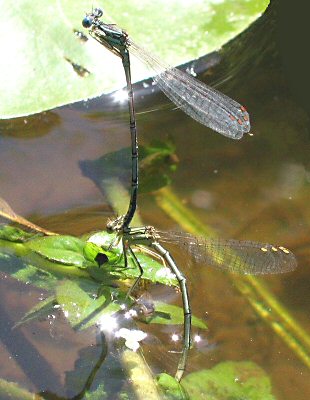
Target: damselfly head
[116,224]
[89,18]
[88,21]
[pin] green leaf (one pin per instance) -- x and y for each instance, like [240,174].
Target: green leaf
[25,272]
[157,162]
[66,250]
[153,270]
[229,381]
[40,310]
[108,311]
[92,251]
[13,234]
[171,387]
[75,302]
[169,314]
[47,64]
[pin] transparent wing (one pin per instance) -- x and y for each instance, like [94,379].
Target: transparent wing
[201,102]
[243,257]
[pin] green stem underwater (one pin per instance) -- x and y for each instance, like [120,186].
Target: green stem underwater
[259,296]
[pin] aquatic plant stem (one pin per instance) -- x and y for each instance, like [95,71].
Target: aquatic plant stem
[12,391]
[259,296]
[141,378]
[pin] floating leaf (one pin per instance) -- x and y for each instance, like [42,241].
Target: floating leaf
[57,256]
[92,253]
[49,62]
[153,270]
[65,249]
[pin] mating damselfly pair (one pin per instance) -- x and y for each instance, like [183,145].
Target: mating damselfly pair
[215,110]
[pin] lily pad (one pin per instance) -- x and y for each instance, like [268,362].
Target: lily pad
[47,61]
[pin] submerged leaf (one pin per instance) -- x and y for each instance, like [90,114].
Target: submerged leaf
[75,302]
[156,164]
[172,389]
[103,317]
[229,380]
[169,314]
[40,310]
[24,272]
[13,234]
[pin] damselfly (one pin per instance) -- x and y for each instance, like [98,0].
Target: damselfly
[242,257]
[217,111]
[203,103]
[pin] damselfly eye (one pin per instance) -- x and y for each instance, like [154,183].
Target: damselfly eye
[87,21]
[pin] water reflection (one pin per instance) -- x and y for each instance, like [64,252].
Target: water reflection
[254,189]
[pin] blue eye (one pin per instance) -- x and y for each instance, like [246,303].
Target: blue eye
[87,21]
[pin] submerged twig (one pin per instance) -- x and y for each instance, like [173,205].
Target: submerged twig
[8,213]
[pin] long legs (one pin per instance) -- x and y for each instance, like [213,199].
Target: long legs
[186,307]
[127,241]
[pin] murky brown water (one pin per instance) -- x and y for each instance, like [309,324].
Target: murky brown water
[256,188]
